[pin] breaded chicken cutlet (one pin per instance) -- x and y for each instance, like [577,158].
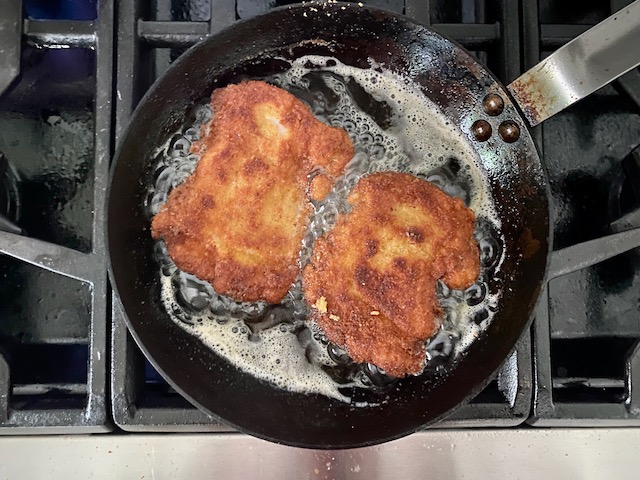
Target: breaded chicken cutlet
[371,283]
[239,219]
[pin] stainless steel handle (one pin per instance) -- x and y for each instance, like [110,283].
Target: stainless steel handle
[588,62]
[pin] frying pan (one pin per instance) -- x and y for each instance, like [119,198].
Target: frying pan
[458,85]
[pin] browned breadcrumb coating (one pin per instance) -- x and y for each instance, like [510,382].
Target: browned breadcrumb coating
[371,282]
[239,219]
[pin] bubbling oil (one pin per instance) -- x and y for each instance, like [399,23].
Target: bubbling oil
[394,127]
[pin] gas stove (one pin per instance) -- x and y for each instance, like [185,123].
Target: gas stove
[74,70]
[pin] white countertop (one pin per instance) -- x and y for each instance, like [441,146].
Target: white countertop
[526,453]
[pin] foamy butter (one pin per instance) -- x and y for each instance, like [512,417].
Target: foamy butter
[274,355]
[420,137]
[417,139]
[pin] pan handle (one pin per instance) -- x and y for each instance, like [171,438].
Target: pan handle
[579,68]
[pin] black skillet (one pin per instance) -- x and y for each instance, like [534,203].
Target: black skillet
[450,78]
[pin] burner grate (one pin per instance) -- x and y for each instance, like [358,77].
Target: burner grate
[587,328]
[56,137]
[55,127]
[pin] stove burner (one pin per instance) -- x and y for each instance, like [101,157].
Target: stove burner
[9,200]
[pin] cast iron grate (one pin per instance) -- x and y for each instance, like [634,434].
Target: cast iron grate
[53,298]
[588,323]
[55,136]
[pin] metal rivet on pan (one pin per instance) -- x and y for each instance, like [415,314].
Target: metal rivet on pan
[509,131]
[481,130]
[493,104]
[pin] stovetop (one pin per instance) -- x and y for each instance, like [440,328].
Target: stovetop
[67,361]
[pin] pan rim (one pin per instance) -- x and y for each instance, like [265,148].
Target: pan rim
[112,276]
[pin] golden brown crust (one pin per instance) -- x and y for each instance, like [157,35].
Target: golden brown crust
[371,282]
[239,219]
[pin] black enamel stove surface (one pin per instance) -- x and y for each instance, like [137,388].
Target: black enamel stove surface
[67,362]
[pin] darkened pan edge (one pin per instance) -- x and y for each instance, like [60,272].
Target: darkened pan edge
[194,370]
